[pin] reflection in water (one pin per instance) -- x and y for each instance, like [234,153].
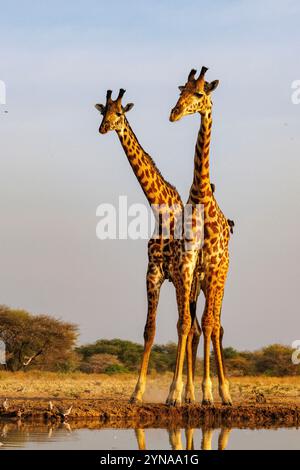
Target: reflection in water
[176,441]
[89,434]
[17,434]
[140,437]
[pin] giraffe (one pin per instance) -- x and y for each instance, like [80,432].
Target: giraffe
[168,257]
[195,97]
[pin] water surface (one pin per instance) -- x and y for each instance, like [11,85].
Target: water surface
[43,437]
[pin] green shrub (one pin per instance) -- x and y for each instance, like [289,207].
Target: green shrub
[115,369]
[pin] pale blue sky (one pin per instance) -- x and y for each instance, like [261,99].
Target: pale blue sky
[57,60]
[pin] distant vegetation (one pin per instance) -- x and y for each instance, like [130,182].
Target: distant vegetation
[273,360]
[37,341]
[45,343]
[118,355]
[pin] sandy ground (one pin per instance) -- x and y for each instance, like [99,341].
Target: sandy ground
[105,398]
[84,386]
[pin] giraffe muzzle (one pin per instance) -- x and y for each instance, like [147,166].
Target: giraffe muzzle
[104,128]
[175,114]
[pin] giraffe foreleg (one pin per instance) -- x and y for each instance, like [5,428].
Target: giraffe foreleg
[183,328]
[187,260]
[155,279]
[175,393]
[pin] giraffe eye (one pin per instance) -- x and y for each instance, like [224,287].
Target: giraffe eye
[198,95]
[119,114]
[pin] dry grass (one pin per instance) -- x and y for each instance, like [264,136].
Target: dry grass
[51,385]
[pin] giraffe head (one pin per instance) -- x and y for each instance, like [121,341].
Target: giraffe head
[113,113]
[195,96]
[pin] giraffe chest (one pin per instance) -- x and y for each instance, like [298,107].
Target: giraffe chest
[177,261]
[164,253]
[168,260]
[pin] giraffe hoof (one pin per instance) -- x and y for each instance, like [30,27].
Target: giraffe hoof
[135,400]
[189,401]
[227,403]
[189,397]
[206,402]
[174,403]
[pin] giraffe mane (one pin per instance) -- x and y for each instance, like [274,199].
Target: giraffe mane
[159,173]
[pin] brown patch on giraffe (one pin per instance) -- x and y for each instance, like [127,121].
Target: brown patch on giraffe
[158,184]
[212,210]
[153,187]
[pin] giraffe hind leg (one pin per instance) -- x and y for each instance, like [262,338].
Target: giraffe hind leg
[191,354]
[217,336]
[195,344]
[155,279]
[207,328]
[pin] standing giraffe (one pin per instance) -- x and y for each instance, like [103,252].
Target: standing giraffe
[167,253]
[195,97]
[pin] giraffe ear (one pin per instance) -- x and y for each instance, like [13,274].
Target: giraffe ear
[181,87]
[212,86]
[100,107]
[128,107]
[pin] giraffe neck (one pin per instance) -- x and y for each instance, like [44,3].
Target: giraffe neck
[156,189]
[200,191]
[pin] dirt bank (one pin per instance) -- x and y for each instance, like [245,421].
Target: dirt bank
[112,413]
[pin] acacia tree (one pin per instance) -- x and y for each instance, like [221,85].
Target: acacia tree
[37,341]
